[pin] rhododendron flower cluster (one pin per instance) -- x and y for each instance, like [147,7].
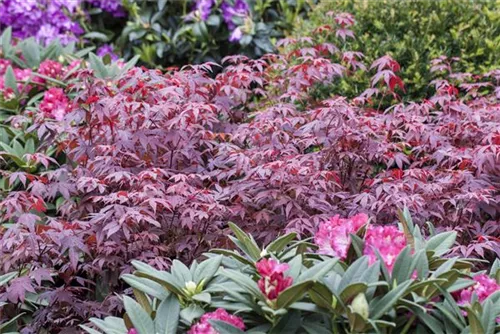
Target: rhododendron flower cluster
[49,68]
[273,280]
[55,104]
[484,287]
[204,327]
[333,236]
[389,241]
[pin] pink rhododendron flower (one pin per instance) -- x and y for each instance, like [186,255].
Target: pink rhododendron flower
[4,63]
[484,287]
[333,236]
[388,240]
[55,104]
[49,68]
[132,331]
[273,280]
[204,327]
[22,75]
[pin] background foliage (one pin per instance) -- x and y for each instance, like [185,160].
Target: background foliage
[414,32]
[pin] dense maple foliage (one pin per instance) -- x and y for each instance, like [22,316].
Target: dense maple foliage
[158,163]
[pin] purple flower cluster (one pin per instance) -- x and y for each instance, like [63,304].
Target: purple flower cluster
[45,20]
[114,7]
[201,9]
[230,11]
[107,49]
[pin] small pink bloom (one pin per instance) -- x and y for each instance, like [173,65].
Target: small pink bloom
[4,63]
[204,327]
[273,281]
[484,287]
[388,240]
[49,68]
[132,331]
[333,236]
[22,75]
[55,104]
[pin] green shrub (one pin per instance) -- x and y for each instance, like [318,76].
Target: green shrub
[415,32]
[169,33]
[286,287]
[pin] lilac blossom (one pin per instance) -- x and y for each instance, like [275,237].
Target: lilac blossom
[113,7]
[45,20]
[201,9]
[239,9]
[107,49]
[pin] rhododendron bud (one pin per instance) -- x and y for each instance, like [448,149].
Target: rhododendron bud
[204,327]
[389,241]
[484,287]
[55,104]
[333,236]
[190,288]
[132,331]
[273,281]
[360,306]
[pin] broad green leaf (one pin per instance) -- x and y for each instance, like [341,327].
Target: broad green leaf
[4,279]
[207,269]
[145,285]
[402,267]
[388,301]
[246,282]
[352,290]
[295,266]
[31,52]
[192,312]
[279,244]
[98,66]
[314,328]
[441,243]
[318,271]
[138,316]
[10,79]
[6,40]
[475,323]
[90,330]
[10,322]
[181,272]
[167,316]
[223,327]
[96,36]
[110,325]
[251,247]
[293,294]
[203,297]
